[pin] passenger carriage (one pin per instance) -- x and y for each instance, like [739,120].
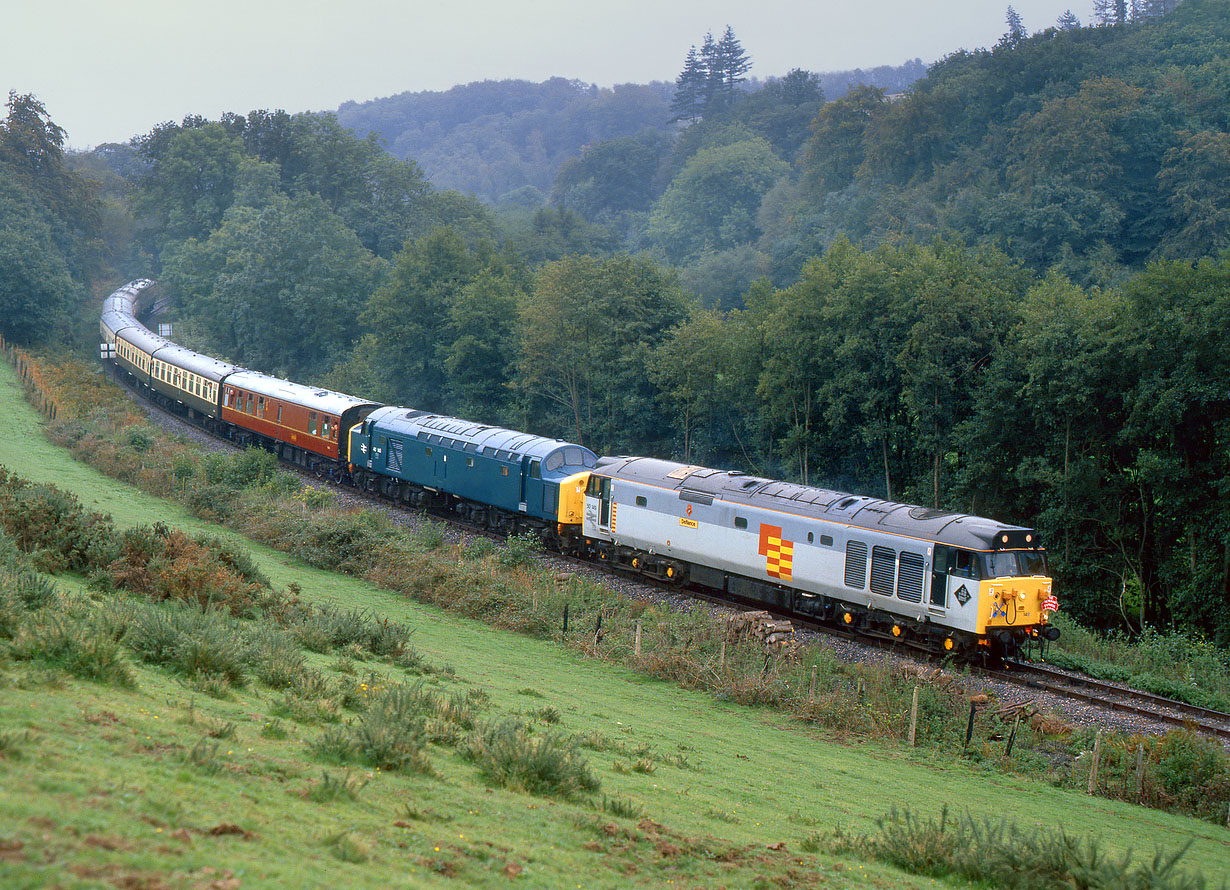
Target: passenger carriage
[301,423]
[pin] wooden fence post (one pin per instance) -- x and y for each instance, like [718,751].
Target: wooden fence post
[565,618]
[1093,768]
[1012,735]
[1140,771]
[637,649]
[914,717]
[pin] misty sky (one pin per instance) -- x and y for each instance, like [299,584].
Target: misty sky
[110,70]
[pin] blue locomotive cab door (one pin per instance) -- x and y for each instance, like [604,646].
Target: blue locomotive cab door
[534,493]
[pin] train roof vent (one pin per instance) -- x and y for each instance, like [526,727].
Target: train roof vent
[928,513]
[846,502]
[322,394]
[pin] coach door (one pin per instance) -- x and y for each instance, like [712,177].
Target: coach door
[598,502]
[939,577]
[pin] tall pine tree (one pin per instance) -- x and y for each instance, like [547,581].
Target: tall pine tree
[1068,21]
[1110,12]
[688,102]
[1016,29]
[735,62]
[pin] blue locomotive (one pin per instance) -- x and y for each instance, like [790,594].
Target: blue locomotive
[498,478]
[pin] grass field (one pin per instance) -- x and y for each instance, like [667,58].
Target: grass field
[106,787]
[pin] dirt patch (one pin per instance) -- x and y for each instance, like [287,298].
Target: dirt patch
[230,828]
[209,878]
[122,878]
[107,842]
[100,718]
[12,850]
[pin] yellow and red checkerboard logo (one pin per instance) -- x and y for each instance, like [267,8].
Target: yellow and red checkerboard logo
[779,552]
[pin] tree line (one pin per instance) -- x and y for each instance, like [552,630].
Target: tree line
[50,228]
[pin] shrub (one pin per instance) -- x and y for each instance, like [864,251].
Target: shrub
[204,756]
[52,524]
[276,659]
[388,740]
[164,564]
[334,542]
[75,645]
[428,536]
[520,550]
[213,503]
[273,729]
[622,809]
[195,643]
[478,548]
[248,469]
[335,744]
[509,755]
[139,439]
[998,854]
[306,710]
[329,788]
[1192,774]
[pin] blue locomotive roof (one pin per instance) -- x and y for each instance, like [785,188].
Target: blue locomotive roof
[858,511]
[559,459]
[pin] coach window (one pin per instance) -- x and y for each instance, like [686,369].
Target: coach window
[325,426]
[279,412]
[313,424]
[260,406]
[469,462]
[740,522]
[964,564]
[503,471]
[428,450]
[535,470]
[249,408]
[641,501]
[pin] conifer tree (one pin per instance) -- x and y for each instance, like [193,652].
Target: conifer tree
[735,61]
[1068,21]
[688,101]
[1016,29]
[1110,12]
[711,62]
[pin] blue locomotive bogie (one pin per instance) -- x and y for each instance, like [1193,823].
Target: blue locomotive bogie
[496,477]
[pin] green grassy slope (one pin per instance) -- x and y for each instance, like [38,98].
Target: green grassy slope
[103,786]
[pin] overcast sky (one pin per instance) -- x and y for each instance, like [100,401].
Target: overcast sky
[111,69]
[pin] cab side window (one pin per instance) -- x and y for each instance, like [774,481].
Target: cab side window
[964,564]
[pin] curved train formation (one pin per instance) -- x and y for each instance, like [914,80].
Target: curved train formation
[944,581]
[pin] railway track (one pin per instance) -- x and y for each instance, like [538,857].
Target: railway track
[1118,698]
[1022,674]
